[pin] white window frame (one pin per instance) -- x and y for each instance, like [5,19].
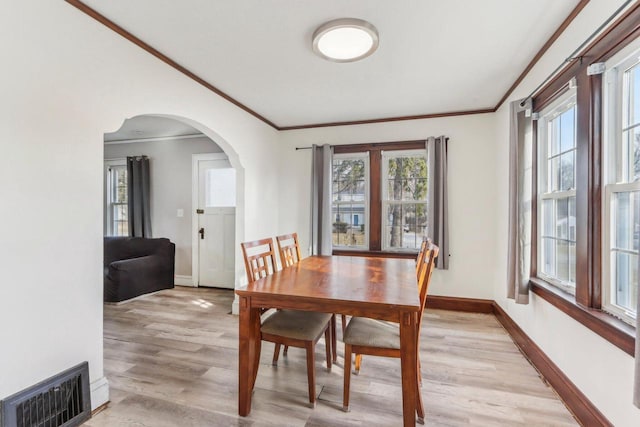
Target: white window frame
[615,168]
[386,155]
[559,106]
[109,192]
[364,156]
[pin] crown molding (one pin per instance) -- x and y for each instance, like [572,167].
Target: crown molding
[156,138]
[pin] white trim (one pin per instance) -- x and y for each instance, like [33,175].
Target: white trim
[195,262]
[154,139]
[99,390]
[181,280]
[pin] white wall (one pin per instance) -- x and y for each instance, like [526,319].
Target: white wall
[472,179]
[65,81]
[603,372]
[170,163]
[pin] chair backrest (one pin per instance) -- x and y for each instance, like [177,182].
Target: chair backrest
[420,258]
[262,262]
[424,276]
[289,249]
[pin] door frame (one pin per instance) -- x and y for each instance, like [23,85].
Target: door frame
[195,183]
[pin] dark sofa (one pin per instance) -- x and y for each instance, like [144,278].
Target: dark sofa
[135,266]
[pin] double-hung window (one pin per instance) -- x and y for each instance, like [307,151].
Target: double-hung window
[621,228]
[117,221]
[557,193]
[379,197]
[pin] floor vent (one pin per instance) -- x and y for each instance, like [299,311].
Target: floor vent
[62,400]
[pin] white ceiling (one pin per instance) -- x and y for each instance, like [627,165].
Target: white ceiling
[435,56]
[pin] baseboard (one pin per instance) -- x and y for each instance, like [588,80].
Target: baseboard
[468,305]
[99,393]
[180,280]
[578,404]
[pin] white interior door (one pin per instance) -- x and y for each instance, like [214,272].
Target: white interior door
[216,223]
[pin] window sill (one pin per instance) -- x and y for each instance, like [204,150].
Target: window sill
[608,327]
[377,254]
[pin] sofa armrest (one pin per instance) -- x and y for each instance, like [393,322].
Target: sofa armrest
[132,277]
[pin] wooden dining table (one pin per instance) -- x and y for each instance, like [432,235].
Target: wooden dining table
[378,288]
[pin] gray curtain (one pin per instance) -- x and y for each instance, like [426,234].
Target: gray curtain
[321,167]
[437,198]
[138,196]
[520,186]
[636,383]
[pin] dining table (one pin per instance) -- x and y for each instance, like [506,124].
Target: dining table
[377,288]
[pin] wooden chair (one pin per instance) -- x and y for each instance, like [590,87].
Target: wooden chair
[419,264]
[287,327]
[289,251]
[378,338]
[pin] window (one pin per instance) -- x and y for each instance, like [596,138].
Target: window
[117,222]
[404,200]
[350,200]
[622,184]
[606,187]
[557,193]
[379,200]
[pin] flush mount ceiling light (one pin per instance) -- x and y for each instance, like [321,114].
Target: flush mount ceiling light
[345,40]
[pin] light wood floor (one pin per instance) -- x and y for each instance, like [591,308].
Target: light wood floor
[171,360]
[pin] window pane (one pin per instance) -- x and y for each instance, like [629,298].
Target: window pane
[548,223]
[631,140]
[632,96]
[567,129]
[548,257]
[562,258]
[562,218]
[626,280]
[553,137]
[120,220]
[220,188]
[626,225]
[554,175]
[407,178]
[566,171]
[349,224]
[572,262]
[348,180]
[405,225]
[572,218]
[119,185]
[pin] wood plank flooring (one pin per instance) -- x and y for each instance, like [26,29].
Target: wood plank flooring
[171,360]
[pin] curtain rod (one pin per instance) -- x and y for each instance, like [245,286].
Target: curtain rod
[573,56]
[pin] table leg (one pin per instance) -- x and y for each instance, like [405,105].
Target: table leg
[248,350]
[409,363]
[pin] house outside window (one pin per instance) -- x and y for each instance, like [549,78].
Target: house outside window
[621,207]
[557,193]
[117,220]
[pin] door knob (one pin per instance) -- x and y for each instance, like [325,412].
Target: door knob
[201,231]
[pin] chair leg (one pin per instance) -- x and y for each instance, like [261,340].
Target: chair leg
[347,377]
[419,373]
[334,340]
[286,350]
[276,354]
[419,405]
[358,363]
[327,341]
[311,372]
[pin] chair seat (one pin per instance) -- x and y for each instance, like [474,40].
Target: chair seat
[300,325]
[372,333]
